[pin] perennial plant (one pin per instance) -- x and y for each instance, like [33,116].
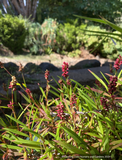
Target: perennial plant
[79,121]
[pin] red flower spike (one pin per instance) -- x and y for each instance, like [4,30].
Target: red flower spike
[47,74]
[65,68]
[60,111]
[112,84]
[10,105]
[118,62]
[29,93]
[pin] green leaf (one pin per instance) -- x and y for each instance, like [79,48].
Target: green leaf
[117,146]
[27,99]
[117,28]
[105,141]
[71,148]
[100,126]
[33,133]
[24,85]
[119,74]
[75,137]
[10,146]
[93,134]
[88,100]
[100,80]
[18,84]
[92,19]
[44,95]
[23,142]
[104,77]
[16,132]
[2,123]
[30,146]
[116,142]
[17,121]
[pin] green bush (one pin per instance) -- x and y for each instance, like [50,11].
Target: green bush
[12,32]
[33,39]
[41,36]
[105,45]
[70,38]
[67,38]
[48,28]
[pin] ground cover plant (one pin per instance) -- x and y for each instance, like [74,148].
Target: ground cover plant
[78,121]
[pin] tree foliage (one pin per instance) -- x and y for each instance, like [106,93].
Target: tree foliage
[27,8]
[63,9]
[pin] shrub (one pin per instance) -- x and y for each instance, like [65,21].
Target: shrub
[33,39]
[67,37]
[105,45]
[70,38]
[41,36]
[12,32]
[48,29]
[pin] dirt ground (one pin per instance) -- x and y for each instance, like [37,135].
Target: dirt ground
[56,59]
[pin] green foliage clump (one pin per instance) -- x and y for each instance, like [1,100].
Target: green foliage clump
[61,10]
[41,36]
[67,38]
[103,44]
[71,37]
[48,29]
[12,32]
[33,39]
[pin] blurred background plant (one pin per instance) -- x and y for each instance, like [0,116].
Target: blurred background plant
[13,32]
[55,37]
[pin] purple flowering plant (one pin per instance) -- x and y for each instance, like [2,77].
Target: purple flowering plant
[77,120]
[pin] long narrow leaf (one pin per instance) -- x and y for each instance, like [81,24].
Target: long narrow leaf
[75,137]
[17,121]
[92,19]
[100,80]
[16,132]
[9,146]
[71,148]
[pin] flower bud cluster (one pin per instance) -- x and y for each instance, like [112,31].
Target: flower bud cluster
[65,67]
[29,93]
[112,84]
[60,111]
[104,103]
[73,99]
[118,62]
[68,82]
[47,75]
[10,105]
[13,83]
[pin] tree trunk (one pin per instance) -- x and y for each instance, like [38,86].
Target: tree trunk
[27,10]
[34,6]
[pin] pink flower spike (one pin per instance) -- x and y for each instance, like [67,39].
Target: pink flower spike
[46,74]
[10,105]
[118,62]
[65,68]
[29,93]
[60,111]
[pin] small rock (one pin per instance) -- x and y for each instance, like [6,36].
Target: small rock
[30,67]
[86,64]
[45,65]
[108,63]
[10,66]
